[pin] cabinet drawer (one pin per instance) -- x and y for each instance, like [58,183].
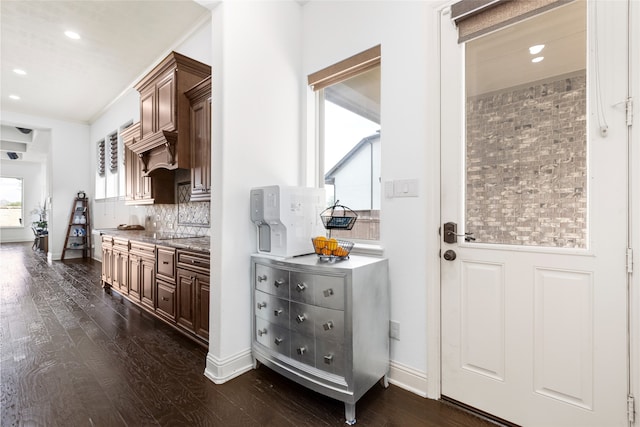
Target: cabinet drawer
[142,249]
[195,261]
[121,244]
[273,336]
[303,348]
[328,291]
[272,280]
[107,240]
[272,308]
[166,300]
[323,323]
[165,264]
[302,287]
[330,357]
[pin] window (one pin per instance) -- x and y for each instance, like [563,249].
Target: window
[11,206]
[349,144]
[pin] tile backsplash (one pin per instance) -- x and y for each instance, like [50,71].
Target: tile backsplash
[183,218]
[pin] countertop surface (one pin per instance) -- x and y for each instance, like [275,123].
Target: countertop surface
[173,240]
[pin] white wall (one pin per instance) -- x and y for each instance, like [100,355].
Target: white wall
[68,170]
[33,190]
[255,141]
[335,30]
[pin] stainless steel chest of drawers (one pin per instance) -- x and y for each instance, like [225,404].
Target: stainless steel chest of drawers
[323,325]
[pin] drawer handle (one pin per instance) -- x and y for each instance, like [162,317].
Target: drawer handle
[278,282]
[165,299]
[261,305]
[301,350]
[277,312]
[262,332]
[301,287]
[328,292]
[195,261]
[328,359]
[328,326]
[262,278]
[165,262]
[278,341]
[301,318]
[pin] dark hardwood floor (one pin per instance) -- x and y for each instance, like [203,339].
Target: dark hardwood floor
[75,355]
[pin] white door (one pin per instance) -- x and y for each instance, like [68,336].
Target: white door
[534,311]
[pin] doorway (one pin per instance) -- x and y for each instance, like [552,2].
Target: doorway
[534,205]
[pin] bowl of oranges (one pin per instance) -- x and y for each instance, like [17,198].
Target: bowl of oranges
[330,249]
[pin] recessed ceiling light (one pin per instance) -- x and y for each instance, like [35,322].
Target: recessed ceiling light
[14,97]
[534,50]
[19,71]
[72,35]
[537,59]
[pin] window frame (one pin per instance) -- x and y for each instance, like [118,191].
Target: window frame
[22,213]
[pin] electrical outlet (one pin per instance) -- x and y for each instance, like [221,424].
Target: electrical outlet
[394,330]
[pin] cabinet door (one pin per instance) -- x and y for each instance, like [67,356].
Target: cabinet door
[147,117]
[186,290]
[134,277]
[201,150]
[130,172]
[166,102]
[148,281]
[166,300]
[107,259]
[202,306]
[120,271]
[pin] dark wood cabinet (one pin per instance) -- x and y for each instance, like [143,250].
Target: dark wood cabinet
[164,112]
[120,266]
[171,283]
[107,260]
[200,140]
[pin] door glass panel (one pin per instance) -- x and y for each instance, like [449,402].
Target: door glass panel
[526,133]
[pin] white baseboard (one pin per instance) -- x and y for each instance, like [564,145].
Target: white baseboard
[222,370]
[408,378]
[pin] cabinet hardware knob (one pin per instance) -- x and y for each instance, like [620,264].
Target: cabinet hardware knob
[301,318]
[262,278]
[278,341]
[262,332]
[261,305]
[165,299]
[165,262]
[277,312]
[328,359]
[328,292]
[328,326]
[301,350]
[301,287]
[278,282]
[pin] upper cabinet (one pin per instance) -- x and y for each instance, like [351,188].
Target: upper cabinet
[165,130]
[200,99]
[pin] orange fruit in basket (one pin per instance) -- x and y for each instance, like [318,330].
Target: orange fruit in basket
[320,242]
[340,251]
[326,251]
[332,244]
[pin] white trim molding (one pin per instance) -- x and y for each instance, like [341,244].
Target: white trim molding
[408,378]
[222,370]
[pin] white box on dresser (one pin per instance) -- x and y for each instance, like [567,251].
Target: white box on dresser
[323,324]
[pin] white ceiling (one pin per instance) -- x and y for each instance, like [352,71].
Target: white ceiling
[76,79]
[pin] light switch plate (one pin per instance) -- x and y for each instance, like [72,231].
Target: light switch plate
[405,188]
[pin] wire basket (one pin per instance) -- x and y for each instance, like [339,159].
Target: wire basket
[338,217]
[331,249]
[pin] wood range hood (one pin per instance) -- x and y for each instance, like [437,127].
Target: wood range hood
[163,141]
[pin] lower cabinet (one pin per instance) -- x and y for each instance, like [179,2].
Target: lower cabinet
[171,283]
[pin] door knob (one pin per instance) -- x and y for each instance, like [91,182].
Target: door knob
[449,255]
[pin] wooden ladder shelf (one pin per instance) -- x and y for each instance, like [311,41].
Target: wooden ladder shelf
[78,236]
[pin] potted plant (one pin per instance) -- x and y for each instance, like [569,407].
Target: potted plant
[41,212]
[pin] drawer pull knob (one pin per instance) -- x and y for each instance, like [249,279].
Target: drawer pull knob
[165,299]
[301,318]
[328,292]
[261,305]
[262,278]
[278,341]
[301,350]
[328,326]
[301,287]
[328,359]
[262,332]
[277,312]
[278,282]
